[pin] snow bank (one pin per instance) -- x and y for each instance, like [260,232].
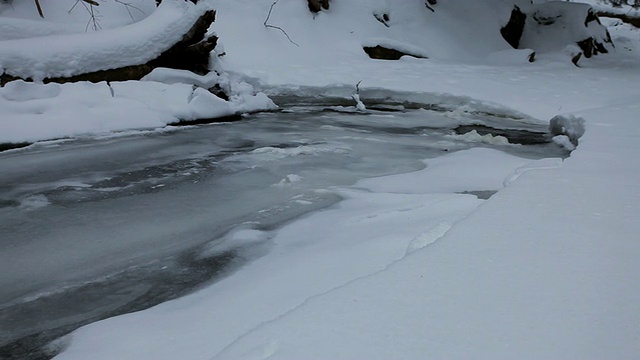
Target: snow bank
[543,270]
[466,170]
[33,112]
[362,235]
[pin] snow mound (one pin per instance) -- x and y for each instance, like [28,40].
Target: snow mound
[25,91]
[271,153]
[571,126]
[564,141]
[243,235]
[289,179]
[175,76]
[553,25]
[408,49]
[34,112]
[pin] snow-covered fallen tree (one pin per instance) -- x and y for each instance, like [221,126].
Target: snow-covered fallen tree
[173,36]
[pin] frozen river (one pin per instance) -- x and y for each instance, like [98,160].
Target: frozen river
[95,227]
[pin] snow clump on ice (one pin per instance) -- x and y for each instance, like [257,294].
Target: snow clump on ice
[571,126]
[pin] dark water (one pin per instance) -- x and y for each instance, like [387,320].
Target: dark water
[96,227]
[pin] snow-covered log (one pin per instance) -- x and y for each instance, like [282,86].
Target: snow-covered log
[627,18]
[173,36]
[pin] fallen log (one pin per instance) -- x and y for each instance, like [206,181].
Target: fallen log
[191,52]
[626,18]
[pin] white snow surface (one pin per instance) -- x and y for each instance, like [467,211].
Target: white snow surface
[476,169]
[405,266]
[33,112]
[563,25]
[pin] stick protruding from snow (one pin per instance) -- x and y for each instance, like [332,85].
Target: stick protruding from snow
[356,97]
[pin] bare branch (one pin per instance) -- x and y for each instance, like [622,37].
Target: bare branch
[128,6]
[93,18]
[428,4]
[74,6]
[277,27]
[39,9]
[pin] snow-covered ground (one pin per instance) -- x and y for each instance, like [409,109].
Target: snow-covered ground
[405,267]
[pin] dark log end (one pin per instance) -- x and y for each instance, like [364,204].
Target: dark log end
[314,5]
[512,32]
[384,53]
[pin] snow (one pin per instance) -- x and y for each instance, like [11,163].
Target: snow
[411,265]
[362,235]
[34,112]
[552,26]
[396,45]
[19,19]
[475,169]
[571,126]
[564,141]
[605,5]
[473,136]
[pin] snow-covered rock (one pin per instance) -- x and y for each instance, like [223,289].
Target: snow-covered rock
[552,26]
[571,126]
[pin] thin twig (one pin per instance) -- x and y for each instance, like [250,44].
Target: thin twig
[73,7]
[93,19]
[128,6]
[358,87]
[277,27]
